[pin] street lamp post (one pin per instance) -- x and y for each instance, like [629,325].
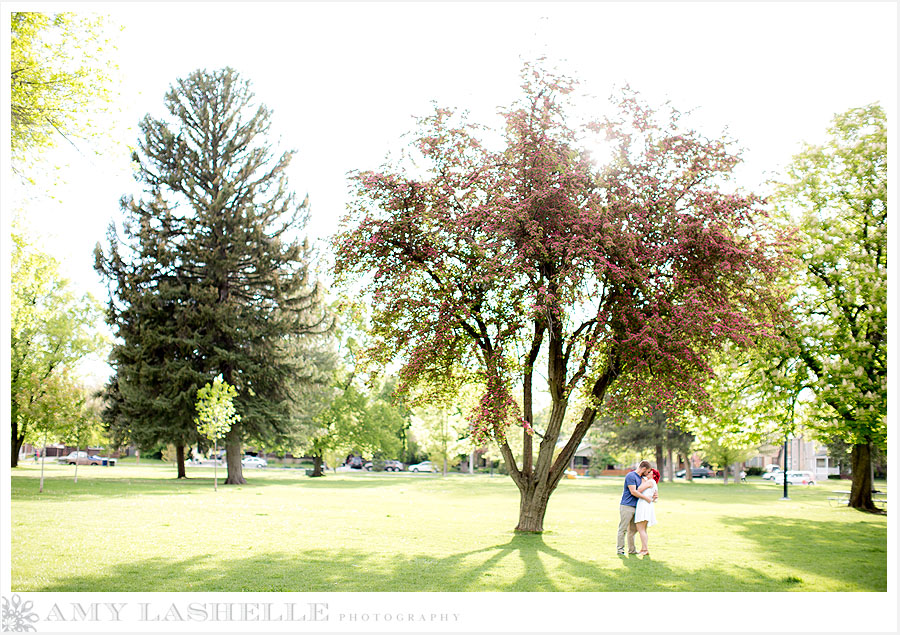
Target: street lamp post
[785,470]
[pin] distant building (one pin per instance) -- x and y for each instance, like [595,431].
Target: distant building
[803,456]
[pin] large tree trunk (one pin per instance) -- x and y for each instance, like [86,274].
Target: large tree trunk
[179,458]
[535,488]
[233,458]
[861,487]
[659,457]
[670,466]
[317,465]
[532,508]
[17,441]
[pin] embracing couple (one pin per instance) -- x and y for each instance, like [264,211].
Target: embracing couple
[636,509]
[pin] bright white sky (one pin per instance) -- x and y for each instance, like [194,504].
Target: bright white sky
[345,80]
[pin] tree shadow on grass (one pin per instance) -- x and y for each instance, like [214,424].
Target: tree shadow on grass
[855,551]
[524,563]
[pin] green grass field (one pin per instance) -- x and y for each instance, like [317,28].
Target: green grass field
[136,528]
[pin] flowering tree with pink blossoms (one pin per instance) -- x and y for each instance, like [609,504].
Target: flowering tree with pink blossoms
[483,264]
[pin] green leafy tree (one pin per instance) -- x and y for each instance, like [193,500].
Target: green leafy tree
[837,195]
[443,433]
[726,453]
[51,416]
[83,424]
[748,407]
[211,276]
[654,432]
[52,331]
[216,415]
[61,77]
[357,422]
[360,414]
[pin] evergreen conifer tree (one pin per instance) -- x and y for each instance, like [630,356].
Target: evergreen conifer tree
[211,276]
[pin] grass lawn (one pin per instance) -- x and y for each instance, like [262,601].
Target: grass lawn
[136,528]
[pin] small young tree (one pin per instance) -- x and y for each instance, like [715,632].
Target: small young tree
[82,422]
[726,453]
[48,416]
[444,434]
[216,415]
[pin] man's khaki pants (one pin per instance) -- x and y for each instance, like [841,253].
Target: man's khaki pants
[626,526]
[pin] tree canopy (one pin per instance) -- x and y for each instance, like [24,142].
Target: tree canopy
[53,329]
[836,193]
[60,78]
[622,280]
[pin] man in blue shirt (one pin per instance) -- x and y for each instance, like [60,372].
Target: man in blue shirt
[630,497]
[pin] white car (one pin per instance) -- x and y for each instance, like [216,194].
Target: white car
[794,478]
[253,461]
[771,471]
[424,466]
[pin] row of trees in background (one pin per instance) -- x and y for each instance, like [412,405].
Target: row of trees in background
[61,76]
[168,307]
[53,330]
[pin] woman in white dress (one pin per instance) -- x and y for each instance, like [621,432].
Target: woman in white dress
[644,515]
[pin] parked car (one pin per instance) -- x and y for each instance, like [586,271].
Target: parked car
[424,466]
[81,458]
[389,466]
[696,472]
[795,478]
[253,461]
[769,476]
[356,462]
